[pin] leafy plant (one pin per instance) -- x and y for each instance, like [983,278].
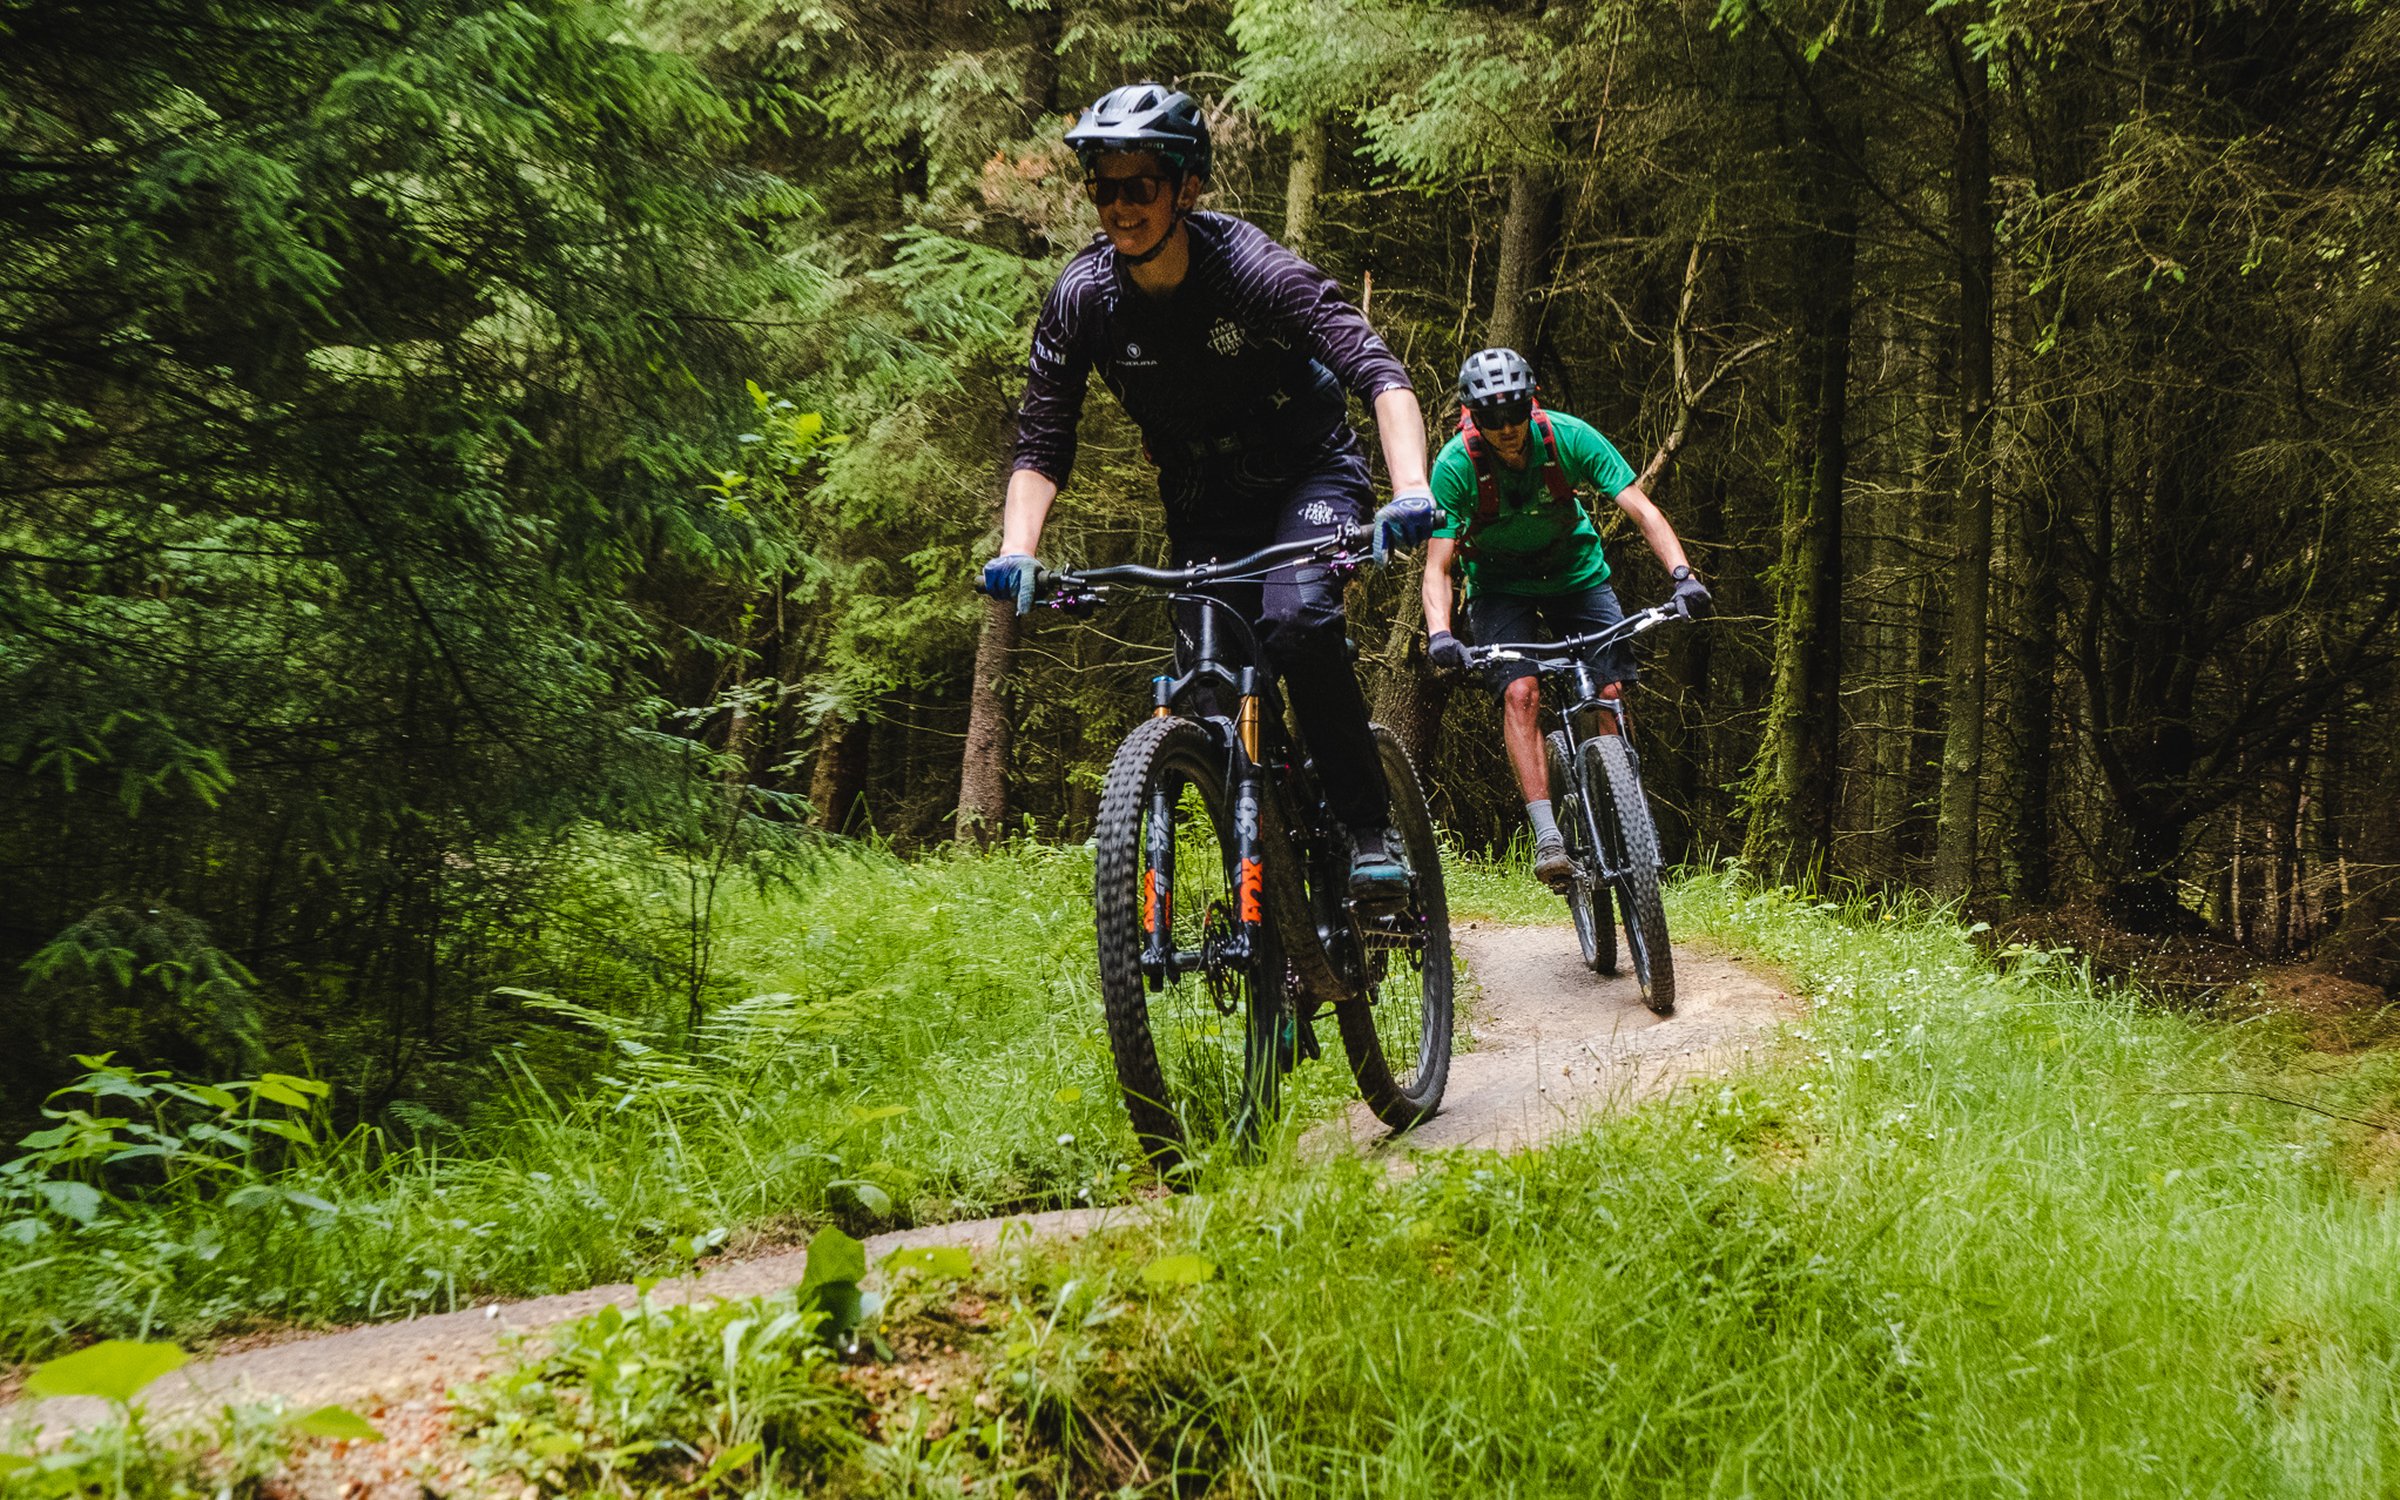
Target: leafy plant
[125,1458]
[701,1397]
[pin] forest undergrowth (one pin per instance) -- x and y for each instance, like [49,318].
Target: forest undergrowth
[1979,1227]
[911,1041]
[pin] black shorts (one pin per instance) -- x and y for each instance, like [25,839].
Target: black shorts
[1492,619]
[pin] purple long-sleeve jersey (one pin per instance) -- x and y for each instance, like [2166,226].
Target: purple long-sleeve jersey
[1245,361]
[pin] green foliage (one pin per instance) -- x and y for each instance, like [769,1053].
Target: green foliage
[233,1454]
[359,368]
[200,1149]
[695,1396]
[1968,1226]
[898,1057]
[830,1285]
[114,1370]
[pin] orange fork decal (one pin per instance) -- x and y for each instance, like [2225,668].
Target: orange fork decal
[1154,917]
[1249,883]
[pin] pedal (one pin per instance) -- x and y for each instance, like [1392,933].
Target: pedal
[1384,901]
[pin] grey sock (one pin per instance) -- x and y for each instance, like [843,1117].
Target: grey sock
[1544,825]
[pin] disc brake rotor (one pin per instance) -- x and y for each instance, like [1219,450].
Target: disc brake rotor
[1217,970]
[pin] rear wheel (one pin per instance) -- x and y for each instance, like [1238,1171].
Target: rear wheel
[1195,1035]
[1632,844]
[1586,893]
[1397,1033]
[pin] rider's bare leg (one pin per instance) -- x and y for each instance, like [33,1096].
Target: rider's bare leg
[1608,722]
[1521,731]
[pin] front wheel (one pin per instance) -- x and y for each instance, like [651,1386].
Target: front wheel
[1397,1031]
[1586,893]
[1193,1020]
[1631,841]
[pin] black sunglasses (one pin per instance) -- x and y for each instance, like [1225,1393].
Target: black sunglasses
[1141,191]
[1503,414]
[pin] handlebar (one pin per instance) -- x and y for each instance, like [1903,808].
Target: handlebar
[1079,589]
[1559,654]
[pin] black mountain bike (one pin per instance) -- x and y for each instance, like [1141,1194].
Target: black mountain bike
[1222,892]
[1596,787]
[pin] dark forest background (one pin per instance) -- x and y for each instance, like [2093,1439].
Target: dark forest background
[477,479]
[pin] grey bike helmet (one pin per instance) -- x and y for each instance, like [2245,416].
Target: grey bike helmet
[1144,117]
[1492,376]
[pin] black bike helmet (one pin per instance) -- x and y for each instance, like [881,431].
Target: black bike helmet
[1144,117]
[1491,377]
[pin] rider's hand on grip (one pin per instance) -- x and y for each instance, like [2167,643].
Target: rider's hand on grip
[1012,576]
[1692,598]
[1446,652]
[1406,522]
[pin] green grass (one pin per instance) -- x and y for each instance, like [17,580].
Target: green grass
[1970,1230]
[1972,1233]
[922,1041]
[915,1041]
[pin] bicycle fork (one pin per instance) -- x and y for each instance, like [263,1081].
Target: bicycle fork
[1238,945]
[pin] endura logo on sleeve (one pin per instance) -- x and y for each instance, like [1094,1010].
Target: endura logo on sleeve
[1133,356]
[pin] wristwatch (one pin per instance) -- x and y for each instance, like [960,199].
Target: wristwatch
[1680,572]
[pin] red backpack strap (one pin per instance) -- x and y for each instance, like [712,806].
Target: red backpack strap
[1487,488]
[1553,473]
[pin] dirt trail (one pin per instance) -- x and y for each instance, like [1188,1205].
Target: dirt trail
[1552,1044]
[390,1365]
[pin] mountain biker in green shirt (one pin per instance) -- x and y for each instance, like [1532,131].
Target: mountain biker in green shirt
[1508,486]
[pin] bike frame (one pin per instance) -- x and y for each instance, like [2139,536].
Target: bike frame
[1243,738]
[1563,659]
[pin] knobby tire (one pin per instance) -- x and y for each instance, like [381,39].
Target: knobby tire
[1403,1010]
[1610,779]
[1586,894]
[1192,1077]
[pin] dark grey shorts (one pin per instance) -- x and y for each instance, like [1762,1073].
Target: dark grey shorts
[1495,618]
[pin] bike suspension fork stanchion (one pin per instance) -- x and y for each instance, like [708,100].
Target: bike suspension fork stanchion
[1249,845]
[1158,888]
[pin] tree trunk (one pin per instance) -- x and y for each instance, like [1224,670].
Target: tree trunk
[1957,836]
[983,777]
[1301,185]
[1529,193]
[1410,699]
[2025,871]
[2365,941]
[839,784]
[1791,787]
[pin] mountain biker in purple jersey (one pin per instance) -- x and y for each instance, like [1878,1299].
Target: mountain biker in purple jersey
[1235,358]
[1508,485]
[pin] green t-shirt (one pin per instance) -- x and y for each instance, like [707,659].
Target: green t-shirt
[1535,545]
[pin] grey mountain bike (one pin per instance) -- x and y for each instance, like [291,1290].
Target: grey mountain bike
[1596,788]
[1221,891]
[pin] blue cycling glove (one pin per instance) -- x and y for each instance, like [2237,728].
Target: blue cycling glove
[1012,576]
[1406,522]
